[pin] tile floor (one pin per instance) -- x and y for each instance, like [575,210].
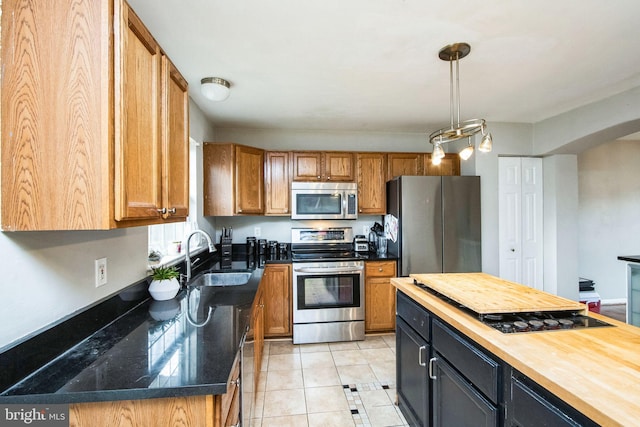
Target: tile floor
[330,384]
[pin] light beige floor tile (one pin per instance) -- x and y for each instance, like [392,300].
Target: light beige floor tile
[259,405]
[331,419]
[380,416]
[326,399]
[314,348]
[262,381]
[390,340]
[392,394]
[339,346]
[356,374]
[317,360]
[349,357]
[283,380]
[372,342]
[256,422]
[280,362]
[371,398]
[279,403]
[318,377]
[286,421]
[385,371]
[378,354]
[265,362]
[282,347]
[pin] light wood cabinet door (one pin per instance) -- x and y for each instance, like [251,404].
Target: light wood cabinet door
[399,164]
[277,183]
[306,165]
[175,142]
[450,165]
[338,166]
[249,180]
[137,114]
[380,306]
[277,300]
[57,115]
[371,184]
[257,328]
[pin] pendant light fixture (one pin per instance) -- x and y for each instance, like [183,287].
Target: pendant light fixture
[457,129]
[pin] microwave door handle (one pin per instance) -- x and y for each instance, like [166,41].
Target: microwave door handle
[345,196]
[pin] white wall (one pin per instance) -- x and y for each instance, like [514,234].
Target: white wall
[561,225]
[609,207]
[48,276]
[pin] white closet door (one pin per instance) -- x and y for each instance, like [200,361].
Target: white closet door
[520,220]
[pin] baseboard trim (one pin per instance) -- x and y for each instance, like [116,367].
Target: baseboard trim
[613,301]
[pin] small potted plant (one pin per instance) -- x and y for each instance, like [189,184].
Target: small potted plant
[165,284]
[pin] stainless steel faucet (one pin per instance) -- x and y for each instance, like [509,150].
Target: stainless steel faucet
[188,252]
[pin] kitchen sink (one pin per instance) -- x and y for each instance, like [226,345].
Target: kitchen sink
[229,278]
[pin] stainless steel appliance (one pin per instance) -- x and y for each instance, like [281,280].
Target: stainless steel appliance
[438,224]
[328,286]
[527,321]
[324,200]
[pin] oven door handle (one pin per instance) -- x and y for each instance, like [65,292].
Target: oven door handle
[327,270]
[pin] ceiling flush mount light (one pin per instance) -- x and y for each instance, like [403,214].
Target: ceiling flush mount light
[215,88]
[458,129]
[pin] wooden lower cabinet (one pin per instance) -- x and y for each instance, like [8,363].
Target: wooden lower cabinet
[277,300]
[380,296]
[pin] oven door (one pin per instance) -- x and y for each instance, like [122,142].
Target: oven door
[328,291]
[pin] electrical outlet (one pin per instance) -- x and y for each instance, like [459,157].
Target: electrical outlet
[365,230]
[256,231]
[101,272]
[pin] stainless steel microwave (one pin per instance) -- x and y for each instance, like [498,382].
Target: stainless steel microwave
[324,200]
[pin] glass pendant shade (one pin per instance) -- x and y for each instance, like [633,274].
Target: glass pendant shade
[486,144]
[466,152]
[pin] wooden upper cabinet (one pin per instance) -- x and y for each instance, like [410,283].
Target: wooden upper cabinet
[371,183]
[323,166]
[138,143]
[175,142]
[249,180]
[450,165]
[277,183]
[399,164]
[306,165]
[338,166]
[56,115]
[233,180]
[82,118]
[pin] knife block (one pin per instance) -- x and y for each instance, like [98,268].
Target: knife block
[225,248]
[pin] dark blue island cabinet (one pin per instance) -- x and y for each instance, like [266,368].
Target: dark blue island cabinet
[445,379]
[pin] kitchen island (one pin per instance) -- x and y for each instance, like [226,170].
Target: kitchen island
[594,371]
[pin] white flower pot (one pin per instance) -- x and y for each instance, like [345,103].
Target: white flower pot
[162,290]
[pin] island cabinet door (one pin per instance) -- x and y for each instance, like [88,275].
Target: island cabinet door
[456,402]
[412,379]
[530,405]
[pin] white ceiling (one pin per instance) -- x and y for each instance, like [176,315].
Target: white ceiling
[372,65]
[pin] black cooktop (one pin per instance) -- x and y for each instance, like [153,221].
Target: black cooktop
[538,321]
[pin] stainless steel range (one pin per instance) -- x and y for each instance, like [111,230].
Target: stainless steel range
[328,286]
[527,321]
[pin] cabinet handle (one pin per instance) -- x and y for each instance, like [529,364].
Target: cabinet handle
[236,382]
[380,269]
[318,176]
[172,211]
[431,362]
[328,178]
[420,350]
[162,211]
[239,210]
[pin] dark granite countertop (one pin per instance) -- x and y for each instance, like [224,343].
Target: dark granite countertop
[154,349]
[630,258]
[132,347]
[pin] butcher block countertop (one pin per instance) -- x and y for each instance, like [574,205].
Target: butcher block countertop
[595,370]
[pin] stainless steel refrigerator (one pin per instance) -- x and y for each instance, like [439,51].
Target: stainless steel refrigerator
[439,227]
